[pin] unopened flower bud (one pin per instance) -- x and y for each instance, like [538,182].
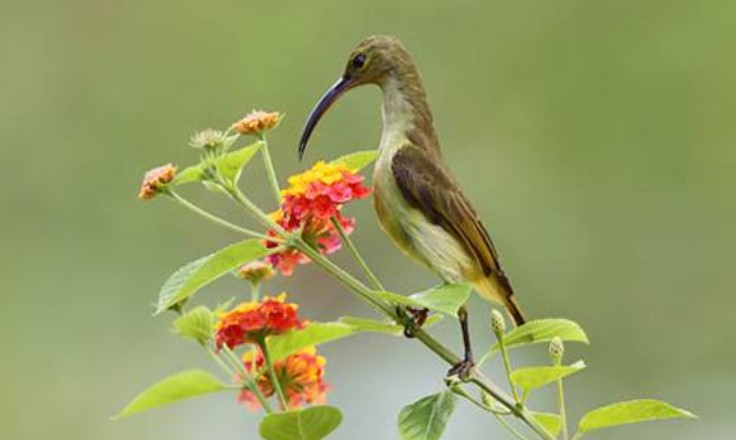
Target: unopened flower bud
[487,400]
[208,139]
[257,122]
[556,349]
[155,180]
[498,324]
[256,272]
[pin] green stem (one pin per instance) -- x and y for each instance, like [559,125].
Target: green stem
[483,359]
[248,380]
[514,432]
[577,436]
[252,209]
[270,170]
[211,217]
[272,374]
[507,366]
[561,403]
[356,255]
[255,292]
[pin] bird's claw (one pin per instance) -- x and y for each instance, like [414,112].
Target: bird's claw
[462,369]
[413,319]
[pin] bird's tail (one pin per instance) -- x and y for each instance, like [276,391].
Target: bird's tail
[497,288]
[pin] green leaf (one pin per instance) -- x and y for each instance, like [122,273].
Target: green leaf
[197,324]
[532,378]
[370,325]
[313,423]
[633,411]
[188,279]
[183,385]
[231,164]
[314,333]
[551,422]
[358,160]
[544,330]
[426,418]
[188,175]
[445,298]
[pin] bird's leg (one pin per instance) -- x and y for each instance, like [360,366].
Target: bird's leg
[413,319]
[463,368]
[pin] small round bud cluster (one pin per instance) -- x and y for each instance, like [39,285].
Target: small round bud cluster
[498,324]
[256,272]
[556,349]
[208,139]
[257,122]
[155,180]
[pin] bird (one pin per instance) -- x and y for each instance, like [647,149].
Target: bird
[418,201]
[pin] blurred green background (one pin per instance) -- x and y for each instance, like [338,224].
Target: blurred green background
[596,139]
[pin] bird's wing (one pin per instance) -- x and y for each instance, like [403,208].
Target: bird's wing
[431,189]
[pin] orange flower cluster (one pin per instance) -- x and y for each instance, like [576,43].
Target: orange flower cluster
[155,179]
[252,321]
[309,204]
[257,122]
[301,376]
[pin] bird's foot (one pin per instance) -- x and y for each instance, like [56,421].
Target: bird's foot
[462,370]
[413,319]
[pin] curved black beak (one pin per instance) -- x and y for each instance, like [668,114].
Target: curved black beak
[329,98]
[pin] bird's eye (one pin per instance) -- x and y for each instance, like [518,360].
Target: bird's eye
[359,61]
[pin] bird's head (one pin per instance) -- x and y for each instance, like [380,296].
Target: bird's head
[373,61]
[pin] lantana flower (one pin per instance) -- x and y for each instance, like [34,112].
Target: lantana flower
[301,376]
[155,179]
[252,321]
[309,204]
[256,272]
[257,122]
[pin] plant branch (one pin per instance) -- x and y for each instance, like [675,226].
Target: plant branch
[272,374]
[248,380]
[270,170]
[356,255]
[211,217]
[425,338]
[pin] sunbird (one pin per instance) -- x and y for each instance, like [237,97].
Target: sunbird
[418,201]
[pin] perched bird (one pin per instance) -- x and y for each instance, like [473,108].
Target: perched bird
[418,201]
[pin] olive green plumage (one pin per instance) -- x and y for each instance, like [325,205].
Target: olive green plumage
[418,202]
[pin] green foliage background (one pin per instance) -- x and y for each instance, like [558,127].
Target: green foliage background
[596,138]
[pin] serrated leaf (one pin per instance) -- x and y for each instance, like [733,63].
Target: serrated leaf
[183,385]
[314,333]
[426,418]
[230,165]
[197,324]
[544,330]
[358,160]
[314,423]
[633,411]
[188,279]
[187,175]
[445,298]
[531,378]
[551,422]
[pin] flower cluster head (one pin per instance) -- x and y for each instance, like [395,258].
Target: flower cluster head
[256,272]
[257,122]
[155,179]
[208,139]
[252,321]
[301,376]
[312,201]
